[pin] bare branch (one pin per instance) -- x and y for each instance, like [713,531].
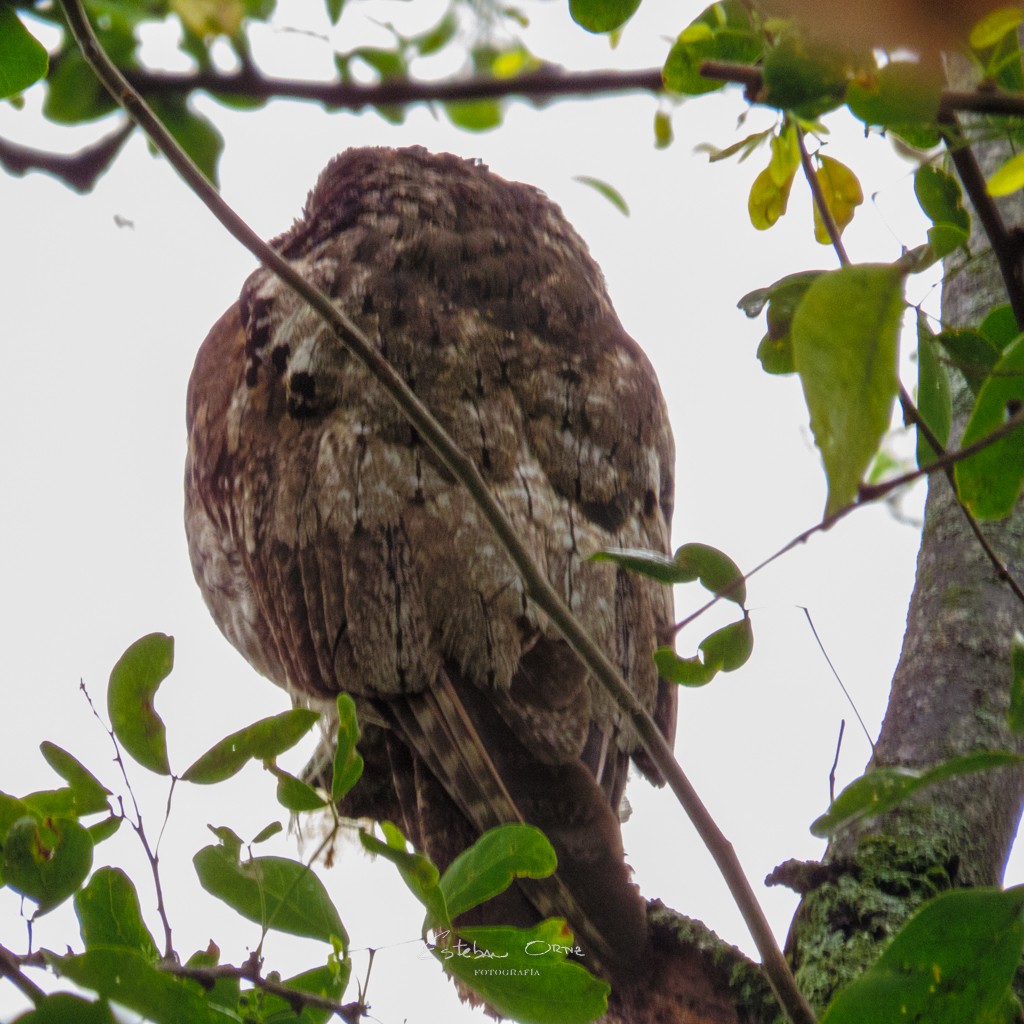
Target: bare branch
[546,83]
[79,171]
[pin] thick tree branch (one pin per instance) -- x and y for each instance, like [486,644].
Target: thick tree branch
[463,468]
[547,83]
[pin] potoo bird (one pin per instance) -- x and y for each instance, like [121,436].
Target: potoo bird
[337,553]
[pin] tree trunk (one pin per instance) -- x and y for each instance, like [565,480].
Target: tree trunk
[949,697]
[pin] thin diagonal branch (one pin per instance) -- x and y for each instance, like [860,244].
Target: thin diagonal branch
[463,468]
[10,968]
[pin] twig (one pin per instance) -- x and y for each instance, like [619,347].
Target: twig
[824,211]
[139,827]
[842,685]
[535,582]
[10,968]
[835,760]
[872,492]
[77,170]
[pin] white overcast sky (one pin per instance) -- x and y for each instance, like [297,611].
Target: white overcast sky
[99,327]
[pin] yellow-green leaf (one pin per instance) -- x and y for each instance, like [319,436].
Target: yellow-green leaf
[768,199]
[994,26]
[842,194]
[210,17]
[1009,178]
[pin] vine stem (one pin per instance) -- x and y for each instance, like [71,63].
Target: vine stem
[537,586]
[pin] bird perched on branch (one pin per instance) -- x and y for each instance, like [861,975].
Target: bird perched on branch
[337,553]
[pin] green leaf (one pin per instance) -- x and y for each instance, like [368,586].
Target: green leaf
[474,115]
[602,15]
[725,650]
[104,829]
[1015,714]
[62,1007]
[260,741]
[902,95]
[845,346]
[225,991]
[11,810]
[417,871]
[46,861]
[267,832]
[646,563]
[194,132]
[436,38]
[934,402]
[133,685]
[73,92]
[716,571]
[275,892]
[881,789]
[109,914]
[127,978]
[491,864]
[940,197]
[808,80]
[991,29]
[989,481]
[612,194]
[1008,178]
[722,32]
[23,59]
[348,762]
[782,299]
[952,962]
[295,795]
[999,327]
[974,355]
[533,982]
[90,794]
[334,9]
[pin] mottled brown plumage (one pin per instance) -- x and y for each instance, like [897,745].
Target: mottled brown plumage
[336,553]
